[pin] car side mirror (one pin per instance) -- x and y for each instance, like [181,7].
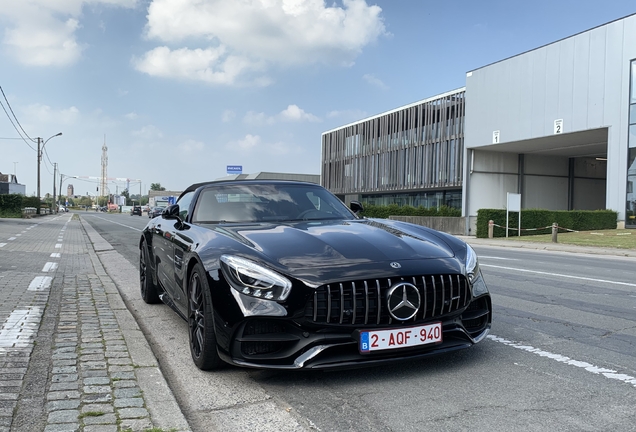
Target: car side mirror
[171,212]
[356,207]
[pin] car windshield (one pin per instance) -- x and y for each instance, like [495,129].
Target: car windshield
[268,203]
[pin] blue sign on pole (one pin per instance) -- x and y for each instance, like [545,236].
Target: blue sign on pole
[234,169]
[171,200]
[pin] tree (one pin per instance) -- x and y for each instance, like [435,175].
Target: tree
[127,195]
[85,201]
[157,187]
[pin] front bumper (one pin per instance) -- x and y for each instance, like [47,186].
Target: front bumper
[282,343]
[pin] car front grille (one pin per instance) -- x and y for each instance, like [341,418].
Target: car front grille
[365,301]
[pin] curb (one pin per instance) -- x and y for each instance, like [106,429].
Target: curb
[161,403]
[552,247]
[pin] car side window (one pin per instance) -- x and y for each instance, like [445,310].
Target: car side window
[184,204]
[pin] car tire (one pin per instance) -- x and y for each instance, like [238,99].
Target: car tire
[201,333]
[149,291]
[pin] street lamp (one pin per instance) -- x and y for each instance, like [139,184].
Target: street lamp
[40,150]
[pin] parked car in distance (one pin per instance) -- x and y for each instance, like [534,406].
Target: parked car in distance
[155,211]
[282,275]
[136,210]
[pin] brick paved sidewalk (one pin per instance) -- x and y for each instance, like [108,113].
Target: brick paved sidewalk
[72,358]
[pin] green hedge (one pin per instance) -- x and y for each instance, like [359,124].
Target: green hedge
[11,205]
[578,220]
[383,212]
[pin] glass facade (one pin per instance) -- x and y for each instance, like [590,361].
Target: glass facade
[406,156]
[437,199]
[630,210]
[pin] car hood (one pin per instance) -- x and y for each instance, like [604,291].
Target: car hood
[318,244]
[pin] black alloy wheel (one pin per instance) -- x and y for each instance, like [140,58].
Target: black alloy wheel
[201,322]
[149,291]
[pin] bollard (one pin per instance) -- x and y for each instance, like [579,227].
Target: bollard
[491,227]
[555,230]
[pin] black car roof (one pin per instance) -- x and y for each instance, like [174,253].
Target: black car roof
[254,181]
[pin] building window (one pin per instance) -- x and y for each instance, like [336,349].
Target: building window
[630,207]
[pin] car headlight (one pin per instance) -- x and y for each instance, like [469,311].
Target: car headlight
[472,264]
[254,280]
[473,272]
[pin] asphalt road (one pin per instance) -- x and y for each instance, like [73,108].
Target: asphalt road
[561,356]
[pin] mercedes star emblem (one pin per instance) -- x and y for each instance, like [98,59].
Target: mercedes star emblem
[395,265]
[403,301]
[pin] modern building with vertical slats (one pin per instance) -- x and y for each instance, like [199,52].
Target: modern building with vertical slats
[411,155]
[556,125]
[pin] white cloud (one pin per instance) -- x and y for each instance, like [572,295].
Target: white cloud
[38,113]
[347,114]
[377,82]
[249,142]
[258,119]
[43,32]
[149,132]
[293,113]
[191,146]
[253,146]
[228,116]
[211,65]
[131,116]
[284,32]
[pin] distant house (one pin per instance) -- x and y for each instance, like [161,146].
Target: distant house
[9,185]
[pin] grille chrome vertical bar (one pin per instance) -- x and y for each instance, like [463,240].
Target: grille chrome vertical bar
[441,309]
[366,304]
[450,291]
[328,303]
[389,286]
[342,303]
[459,292]
[355,302]
[377,284]
[315,305]
[434,295]
[414,282]
[425,296]
[467,291]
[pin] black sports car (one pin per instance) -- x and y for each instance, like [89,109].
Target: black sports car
[281,274]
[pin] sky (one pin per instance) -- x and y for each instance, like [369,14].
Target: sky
[180,89]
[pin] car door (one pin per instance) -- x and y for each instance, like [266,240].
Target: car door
[163,252]
[177,244]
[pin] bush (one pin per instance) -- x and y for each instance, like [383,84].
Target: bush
[383,212]
[578,220]
[11,205]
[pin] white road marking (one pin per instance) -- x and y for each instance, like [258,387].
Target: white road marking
[18,235]
[20,327]
[117,223]
[498,258]
[49,267]
[56,255]
[560,275]
[58,246]
[40,283]
[11,238]
[607,373]
[3,244]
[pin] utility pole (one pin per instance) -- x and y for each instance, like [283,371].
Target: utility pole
[39,160]
[54,175]
[37,210]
